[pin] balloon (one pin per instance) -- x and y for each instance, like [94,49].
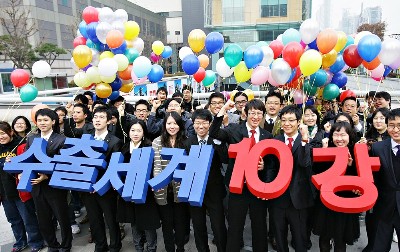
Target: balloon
[298,97]
[350,41]
[108,67]
[291,53]
[79,41]
[138,44]
[261,43]
[280,71]
[232,94]
[371,65]
[360,35]
[326,40]
[196,40]
[103,90]
[277,47]
[329,77]
[114,39]
[119,26]
[319,78]
[233,54]
[199,75]
[167,52]
[154,57]
[121,15]
[132,30]
[249,93]
[82,29]
[141,66]
[226,95]
[136,80]
[93,74]
[90,14]
[82,56]
[268,56]
[310,101]
[28,93]
[351,56]
[157,47]
[310,62]
[102,30]
[369,47]
[126,74]
[341,41]
[73,65]
[127,88]
[214,42]
[204,60]
[223,69]
[309,30]
[91,32]
[313,45]
[106,54]
[19,77]
[390,51]
[156,73]
[340,79]
[184,51]
[35,109]
[81,80]
[106,14]
[395,64]
[190,64]
[344,68]
[122,61]
[209,78]
[388,69]
[329,59]
[294,76]
[121,49]
[92,45]
[291,35]
[241,72]
[95,57]
[338,65]
[114,95]
[260,75]
[41,69]
[378,72]
[253,56]
[309,89]
[116,84]
[345,94]
[331,91]
[131,54]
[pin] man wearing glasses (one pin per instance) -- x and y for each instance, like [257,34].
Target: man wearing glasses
[215,102]
[273,104]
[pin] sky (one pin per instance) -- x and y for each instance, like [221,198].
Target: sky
[390,9]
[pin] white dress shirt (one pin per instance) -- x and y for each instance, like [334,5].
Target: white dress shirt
[102,136]
[46,137]
[256,135]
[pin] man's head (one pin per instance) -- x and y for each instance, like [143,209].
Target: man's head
[215,102]
[61,112]
[45,120]
[98,103]
[162,94]
[187,93]
[174,104]
[254,111]
[142,108]
[89,95]
[117,102]
[240,100]
[201,122]
[80,113]
[393,124]
[177,95]
[369,97]
[80,98]
[350,105]
[101,118]
[273,103]
[382,100]
[290,120]
[114,115]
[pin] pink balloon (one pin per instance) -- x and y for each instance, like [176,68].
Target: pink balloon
[137,80]
[377,79]
[260,75]
[298,96]
[226,95]
[378,72]
[330,76]
[304,45]
[272,81]
[395,64]
[154,57]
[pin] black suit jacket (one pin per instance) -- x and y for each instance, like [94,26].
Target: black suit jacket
[300,191]
[114,145]
[71,131]
[385,181]
[235,133]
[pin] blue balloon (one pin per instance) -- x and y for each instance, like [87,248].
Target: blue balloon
[313,45]
[103,47]
[156,73]
[253,56]
[121,49]
[338,65]
[214,42]
[292,75]
[291,35]
[92,45]
[310,101]
[82,29]
[319,78]
[167,52]
[350,41]
[339,79]
[369,47]
[91,32]
[388,69]
[190,64]
[114,95]
[116,84]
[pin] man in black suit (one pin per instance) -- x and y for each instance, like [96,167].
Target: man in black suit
[96,205]
[387,180]
[76,124]
[215,190]
[238,204]
[293,205]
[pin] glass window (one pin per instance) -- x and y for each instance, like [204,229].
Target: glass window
[177,32]
[273,8]
[232,11]
[6,81]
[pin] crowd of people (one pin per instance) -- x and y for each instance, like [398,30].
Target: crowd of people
[181,122]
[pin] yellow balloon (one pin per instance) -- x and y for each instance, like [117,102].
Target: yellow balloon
[122,62]
[232,94]
[81,80]
[196,40]
[127,88]
[106,54]
[341,41]
[93,74]
[310,62]
[241,72]
[132,30]
[129,43]
[107,79]
[82,56]
[249,93]
[103,90]
[329,58]
[158,47]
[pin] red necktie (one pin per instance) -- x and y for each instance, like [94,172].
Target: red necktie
[253,139]
[290,139]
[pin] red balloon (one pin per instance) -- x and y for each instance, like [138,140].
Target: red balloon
[345,94]
[277,47]
[351,56]
[90,14]
[19,77]
[79,41]
[295,83]
[292,52]
[200,75]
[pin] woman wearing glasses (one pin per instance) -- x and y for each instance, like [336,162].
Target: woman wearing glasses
[21,126]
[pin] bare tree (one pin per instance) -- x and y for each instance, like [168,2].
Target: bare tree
[378,29]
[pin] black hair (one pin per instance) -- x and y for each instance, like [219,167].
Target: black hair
[98,102]
[216,95]
[177,94]
[383,94]
[90,93]
[177,99]
[162,89]
[291,109]
[82,98]
[63,109]
[349,130]
[203,114]
[187,87]
[129,108]
[254,104]
[345,115]
[351,98]
[6,128]
[84,108]
[118,99]
[114,112]
[146,141]
[144,102]
[180,136]
[315,111]
[103,109]
[392,115]
[276,93]
[53,116]
[28,124]
[240,93]
[370,94]
[372,132]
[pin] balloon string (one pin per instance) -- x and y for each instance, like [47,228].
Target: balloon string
[8,111]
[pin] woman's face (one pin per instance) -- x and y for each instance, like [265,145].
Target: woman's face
[309,118]
[4,138]
[342,118]
[171,126]
[379,121]
[340,138]
[20,125]
[136,133]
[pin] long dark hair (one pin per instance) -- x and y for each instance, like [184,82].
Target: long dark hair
[180,136]
[28,124]
[146,141]
[349,130]
[372,133]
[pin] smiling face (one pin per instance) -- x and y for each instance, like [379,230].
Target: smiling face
[201,127]
[20,125]
[394,129]
[350,107]
[4,138]
[136,133]
[290,124]
[44,123]
[379,122]
[254,117]
[309,118]
[174,106]
[216,104]
[171,126]
[141,112]
[272,105]
[341,138]
[381,103]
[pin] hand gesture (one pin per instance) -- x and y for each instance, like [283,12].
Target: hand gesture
[39,179]
[8,158]
[121,109]
[325,142]
[229,105]
[350,160]
[304,131]
[363,140]
[356,119]
[260,164]
[327,127]
[70,109]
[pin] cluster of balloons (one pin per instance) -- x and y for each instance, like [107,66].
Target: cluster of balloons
[107,53]
[20,79]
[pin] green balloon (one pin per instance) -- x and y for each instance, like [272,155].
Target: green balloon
[262,43]
[209,79]
[331,91]
[131,54]
[309,89]
[233,54]
[28,93]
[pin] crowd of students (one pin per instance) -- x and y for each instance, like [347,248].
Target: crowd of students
[181,122]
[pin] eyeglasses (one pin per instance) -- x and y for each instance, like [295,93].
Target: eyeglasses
[20,124]
[204,124]
[141,110]
[240,102]
[283,121]
[273,103]
[174,106]
[393,126]
[216,103]
[258,114]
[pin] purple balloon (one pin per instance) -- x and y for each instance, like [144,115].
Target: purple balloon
[154,57]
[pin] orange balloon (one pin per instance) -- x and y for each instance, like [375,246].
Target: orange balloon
[114,39]
[127,88]
[371,65]
[35,109]
[126,74]
[329,59]
[103,90]
[204,60]
[327,40]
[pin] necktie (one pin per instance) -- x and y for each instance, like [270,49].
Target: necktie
[398,151]
[290,139]
[253,139]
[271,121]
[202,142]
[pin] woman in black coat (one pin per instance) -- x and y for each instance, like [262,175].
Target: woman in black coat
[144,218]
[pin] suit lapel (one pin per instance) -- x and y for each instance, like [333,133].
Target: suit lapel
[243,129]
[388,158]
[296,143]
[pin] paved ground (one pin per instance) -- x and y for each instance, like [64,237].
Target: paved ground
[80,241]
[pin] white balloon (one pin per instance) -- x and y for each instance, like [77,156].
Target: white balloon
[95,57]
[106,15]
[223,69]
[138,44]
[279,37]
[185,51]
[360,35]
[390,51]
[309,30]
[121,15]
[102,30]
[81,80]
[41,69]
[268,56]
[93,74]
[108,67]
[118,25]
[281,71]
